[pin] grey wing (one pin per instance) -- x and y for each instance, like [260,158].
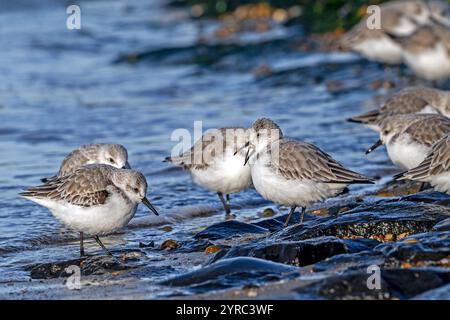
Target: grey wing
[304,161]
[202,153]
[71,162]
[85,187]
[430,130]
[407,101]
[437,162]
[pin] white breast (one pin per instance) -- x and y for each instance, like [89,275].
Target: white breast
[382,50]
[97,220]
[441,182]
[405,153]
[300,193]
[433,64]
[227,174]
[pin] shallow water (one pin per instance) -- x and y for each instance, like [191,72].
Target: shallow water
[61,88]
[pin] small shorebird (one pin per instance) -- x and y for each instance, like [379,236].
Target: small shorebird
[407,101]
[114,155]
[427,52]
[293,173]
[435,169]
[409,138]
[397,19]
[95,199]
[212,164]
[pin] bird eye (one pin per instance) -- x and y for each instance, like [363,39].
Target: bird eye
[386,132]
[111,160]
[136,190]
[257,135]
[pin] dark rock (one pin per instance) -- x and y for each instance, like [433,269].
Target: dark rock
[90,265]
[433,197]
[399,188]
[411,282]
[442,293]
[299,253]
[228,229]
[245,268]
[444,225]
[195,246]
[425,248]
[270,224]
[394,284]
[349,262]
[385,217]
[151,244]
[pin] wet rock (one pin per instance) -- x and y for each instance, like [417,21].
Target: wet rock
[213,249]
[169,244]
[394,284]
[197,245]
[267,213]
[277,223]
[442,293]
[270,224]
[385,217]
[300,253]
[131,256]
[349,262]
[88,266]
[432,197]
[241,268]
[229,229]
[399,188]
[444,225]
[167,228]
[151,244]
[422,249]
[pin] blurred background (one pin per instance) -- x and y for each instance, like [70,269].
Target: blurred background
[137,70]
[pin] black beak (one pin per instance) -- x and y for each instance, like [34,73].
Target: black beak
[126,166]
[243,147]
[247,156]
[150,206]
[376,145]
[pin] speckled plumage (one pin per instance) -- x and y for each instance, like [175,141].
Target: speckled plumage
[213,164]
[435,168]
[294,173]
[115,155]
[409,138]
[95,199]
[427,52]
[410,100]
[398,19]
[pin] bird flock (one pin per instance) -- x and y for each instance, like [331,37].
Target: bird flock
[96,192]
[413,32]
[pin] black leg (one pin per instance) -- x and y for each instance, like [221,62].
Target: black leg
[225,205]
[96,238]
[81,245]
[286,223]
[302,216]
[228,205]
[422,186]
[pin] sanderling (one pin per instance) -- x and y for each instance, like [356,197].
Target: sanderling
[427,52]
[409,138]
[406,101]
[435,169]
[293,173]
[212,163]
[114,155]
[95,199]
[397,19]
